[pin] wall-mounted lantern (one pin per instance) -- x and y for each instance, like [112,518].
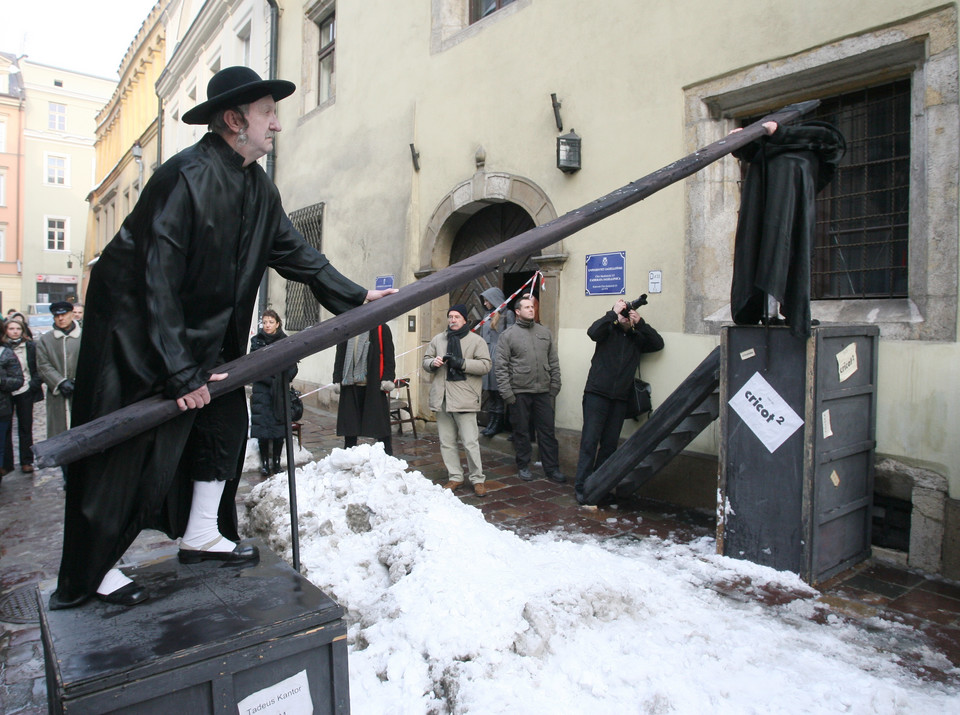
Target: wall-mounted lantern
[568,152]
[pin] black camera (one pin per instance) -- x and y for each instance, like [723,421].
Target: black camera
[633,305]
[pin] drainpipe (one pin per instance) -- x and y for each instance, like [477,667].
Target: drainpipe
[272,156]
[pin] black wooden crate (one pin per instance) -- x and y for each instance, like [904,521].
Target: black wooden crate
[806,507]
[210,636]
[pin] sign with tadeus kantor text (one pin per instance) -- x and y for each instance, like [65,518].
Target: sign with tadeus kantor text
[288,697]
[766,413]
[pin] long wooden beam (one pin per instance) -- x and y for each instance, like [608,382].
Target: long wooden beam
[114,428]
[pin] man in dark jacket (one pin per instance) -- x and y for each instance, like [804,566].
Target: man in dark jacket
[528,377]
[170,299]
[620,342]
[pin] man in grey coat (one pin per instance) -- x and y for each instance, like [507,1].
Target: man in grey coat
[458,359]
[57,352]
[528,375]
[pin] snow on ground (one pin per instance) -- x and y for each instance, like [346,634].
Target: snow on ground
[448,614]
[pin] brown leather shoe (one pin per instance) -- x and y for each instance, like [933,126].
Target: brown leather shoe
[453,486]
[26,468]
[480,489]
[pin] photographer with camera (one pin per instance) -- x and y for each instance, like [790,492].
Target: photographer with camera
[622,336]
[458,360]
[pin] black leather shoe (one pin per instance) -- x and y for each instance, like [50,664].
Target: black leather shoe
[524,474]
[242,554]
[557,478]
[129,595]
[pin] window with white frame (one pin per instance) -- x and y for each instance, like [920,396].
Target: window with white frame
[3,241]
[57,233]
[57,117]
[3,135]
[57,170]
[244,37]
[3,187]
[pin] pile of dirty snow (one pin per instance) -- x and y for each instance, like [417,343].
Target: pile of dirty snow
[448,614]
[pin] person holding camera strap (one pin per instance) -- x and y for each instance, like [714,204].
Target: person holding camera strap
[622,336]
[458,359]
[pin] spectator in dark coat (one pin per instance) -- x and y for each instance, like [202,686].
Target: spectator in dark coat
[491,331]
[11,378]
[620,342]
[268,416]
[364,371]
[15,338]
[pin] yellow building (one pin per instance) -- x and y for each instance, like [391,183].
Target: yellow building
[424,131]
[127,146]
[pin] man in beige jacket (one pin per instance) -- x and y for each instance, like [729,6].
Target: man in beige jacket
[458,360]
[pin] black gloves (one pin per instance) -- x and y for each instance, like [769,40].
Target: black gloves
[66,387]
[457,363]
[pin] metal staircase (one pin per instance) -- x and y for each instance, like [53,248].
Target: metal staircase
[673,425]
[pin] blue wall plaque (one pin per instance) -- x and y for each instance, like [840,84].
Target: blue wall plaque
[605,273]
[383,283]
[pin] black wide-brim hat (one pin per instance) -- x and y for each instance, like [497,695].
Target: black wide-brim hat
[233,86]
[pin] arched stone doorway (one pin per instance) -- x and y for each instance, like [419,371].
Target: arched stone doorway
[517,196]
[491,225]
[520,203]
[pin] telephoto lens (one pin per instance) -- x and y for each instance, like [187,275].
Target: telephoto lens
[633,305]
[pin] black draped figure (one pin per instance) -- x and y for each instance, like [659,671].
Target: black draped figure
[776,228]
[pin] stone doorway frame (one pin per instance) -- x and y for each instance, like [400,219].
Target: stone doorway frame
[453,210]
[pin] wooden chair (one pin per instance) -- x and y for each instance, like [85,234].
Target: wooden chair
[399,405]
[297,428]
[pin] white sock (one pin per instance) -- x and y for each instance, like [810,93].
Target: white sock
[113,581]
[202,533]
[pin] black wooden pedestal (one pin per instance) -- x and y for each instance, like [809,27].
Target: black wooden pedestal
[211,636]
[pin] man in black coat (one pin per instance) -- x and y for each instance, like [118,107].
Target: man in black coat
[620,339]
[170,299]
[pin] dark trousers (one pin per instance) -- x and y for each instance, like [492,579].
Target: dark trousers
[387,443]
[602,422]
[218,440]
[538,409]
[23,410]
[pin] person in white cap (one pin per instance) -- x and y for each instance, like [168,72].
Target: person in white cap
[170,299]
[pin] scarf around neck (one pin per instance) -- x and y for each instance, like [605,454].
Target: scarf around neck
[453,348]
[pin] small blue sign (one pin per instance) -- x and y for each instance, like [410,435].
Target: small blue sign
[384,283]
[606,273]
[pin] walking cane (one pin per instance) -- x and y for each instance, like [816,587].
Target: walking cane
[291,475]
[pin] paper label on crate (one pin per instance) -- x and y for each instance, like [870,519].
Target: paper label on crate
[847,362]
[827,427]
[766,413]
[747,354]
[835,478]
[288,696]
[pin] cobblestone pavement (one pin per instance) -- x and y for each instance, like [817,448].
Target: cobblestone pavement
[31,507]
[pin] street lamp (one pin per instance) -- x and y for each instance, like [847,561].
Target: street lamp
[568,152]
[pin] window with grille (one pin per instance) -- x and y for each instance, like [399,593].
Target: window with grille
[862,241]
[479,9]
[862,231]
[302,309]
